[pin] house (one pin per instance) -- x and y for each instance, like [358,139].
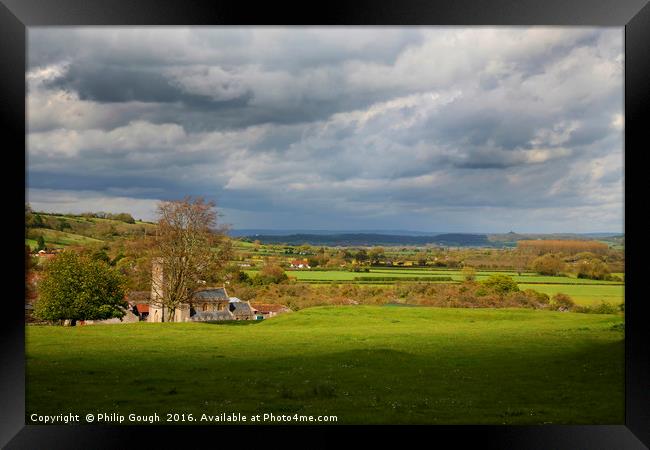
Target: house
[268,310]
[299,264]
[142,310]
[139,303]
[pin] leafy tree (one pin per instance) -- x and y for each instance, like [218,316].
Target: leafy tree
[271,273]
[361,255]
[63,225]
[548,264]
[79,288]
[501,283]
[594,269]
[32,219]
[314,261]
[40,243]
[123,217]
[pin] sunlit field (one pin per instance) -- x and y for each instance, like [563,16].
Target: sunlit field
[365,364]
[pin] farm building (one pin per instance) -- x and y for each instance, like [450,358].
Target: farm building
[268,310]
[299,264]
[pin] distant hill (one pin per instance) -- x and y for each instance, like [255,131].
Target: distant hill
[62,230]
[248,232]
[368,239]
[514,237]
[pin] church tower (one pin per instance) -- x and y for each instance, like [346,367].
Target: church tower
[156,310]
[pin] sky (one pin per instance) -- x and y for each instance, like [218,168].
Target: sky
[474,129]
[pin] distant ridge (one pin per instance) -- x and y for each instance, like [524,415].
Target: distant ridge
[371,239]
[267,232]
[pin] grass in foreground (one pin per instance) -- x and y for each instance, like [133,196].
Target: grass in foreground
[366,364]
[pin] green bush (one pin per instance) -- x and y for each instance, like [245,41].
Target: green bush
[561,302]
[501,283]
[40,243]
[602,308]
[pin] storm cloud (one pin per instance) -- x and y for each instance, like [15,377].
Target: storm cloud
[421,128]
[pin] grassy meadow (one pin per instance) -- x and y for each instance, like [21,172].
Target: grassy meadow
[365,364]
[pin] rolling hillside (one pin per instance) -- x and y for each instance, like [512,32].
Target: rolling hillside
[60,230]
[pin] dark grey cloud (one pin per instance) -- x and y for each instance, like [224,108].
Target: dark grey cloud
[439,128]
[109,84]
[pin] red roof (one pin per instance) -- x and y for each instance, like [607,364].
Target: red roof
[142,308]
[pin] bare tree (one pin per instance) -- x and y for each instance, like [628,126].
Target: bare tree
[190,250]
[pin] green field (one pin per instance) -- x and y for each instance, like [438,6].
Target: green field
[583,291]
[581,294]
[365,364]
[60,238]
[456,275]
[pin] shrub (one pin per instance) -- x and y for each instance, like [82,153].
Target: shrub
[501,284]
[532,299]
[561,302]
[602,308]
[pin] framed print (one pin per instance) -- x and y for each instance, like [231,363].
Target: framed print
[378,218]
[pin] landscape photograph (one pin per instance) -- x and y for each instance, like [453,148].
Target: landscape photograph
[324,225]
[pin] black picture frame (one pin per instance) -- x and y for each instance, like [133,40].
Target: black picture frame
[634,15]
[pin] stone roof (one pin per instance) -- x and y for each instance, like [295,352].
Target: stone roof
[206,316]
[212,294]
[241,308]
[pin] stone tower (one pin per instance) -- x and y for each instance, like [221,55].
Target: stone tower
[156,310]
